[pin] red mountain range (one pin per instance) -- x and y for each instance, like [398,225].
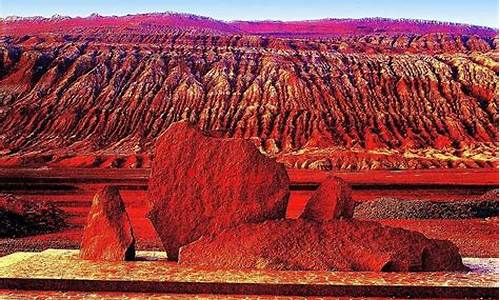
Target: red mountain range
[325,94]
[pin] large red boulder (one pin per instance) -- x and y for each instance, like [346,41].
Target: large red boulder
[108,234]
[331,201]
[201,185]
[340,245]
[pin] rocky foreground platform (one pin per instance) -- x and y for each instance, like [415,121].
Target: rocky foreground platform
[63,270]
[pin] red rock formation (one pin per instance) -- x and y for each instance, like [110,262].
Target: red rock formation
[201,185]
[108,233]
[332,200]
[339,245]
[363,101]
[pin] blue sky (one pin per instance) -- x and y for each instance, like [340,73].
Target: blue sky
[479,12]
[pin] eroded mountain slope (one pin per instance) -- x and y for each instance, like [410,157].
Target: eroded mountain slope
[350,102]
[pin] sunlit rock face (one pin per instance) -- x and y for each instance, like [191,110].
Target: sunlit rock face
[408,96]
[331,201]
[108,233]
[202,185]
[340,245]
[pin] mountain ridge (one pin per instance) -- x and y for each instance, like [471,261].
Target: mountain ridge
[100,96]
[322,27]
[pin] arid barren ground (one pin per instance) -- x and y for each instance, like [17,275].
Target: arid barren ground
[404,111]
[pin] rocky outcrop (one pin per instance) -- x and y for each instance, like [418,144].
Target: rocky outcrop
[332,200]
[372,101]
[202,185]
[340,245]
[108,233]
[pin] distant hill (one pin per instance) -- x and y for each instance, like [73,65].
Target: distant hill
[309,28]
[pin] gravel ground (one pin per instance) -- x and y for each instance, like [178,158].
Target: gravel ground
[390,208]
[19,217]
[490,195]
